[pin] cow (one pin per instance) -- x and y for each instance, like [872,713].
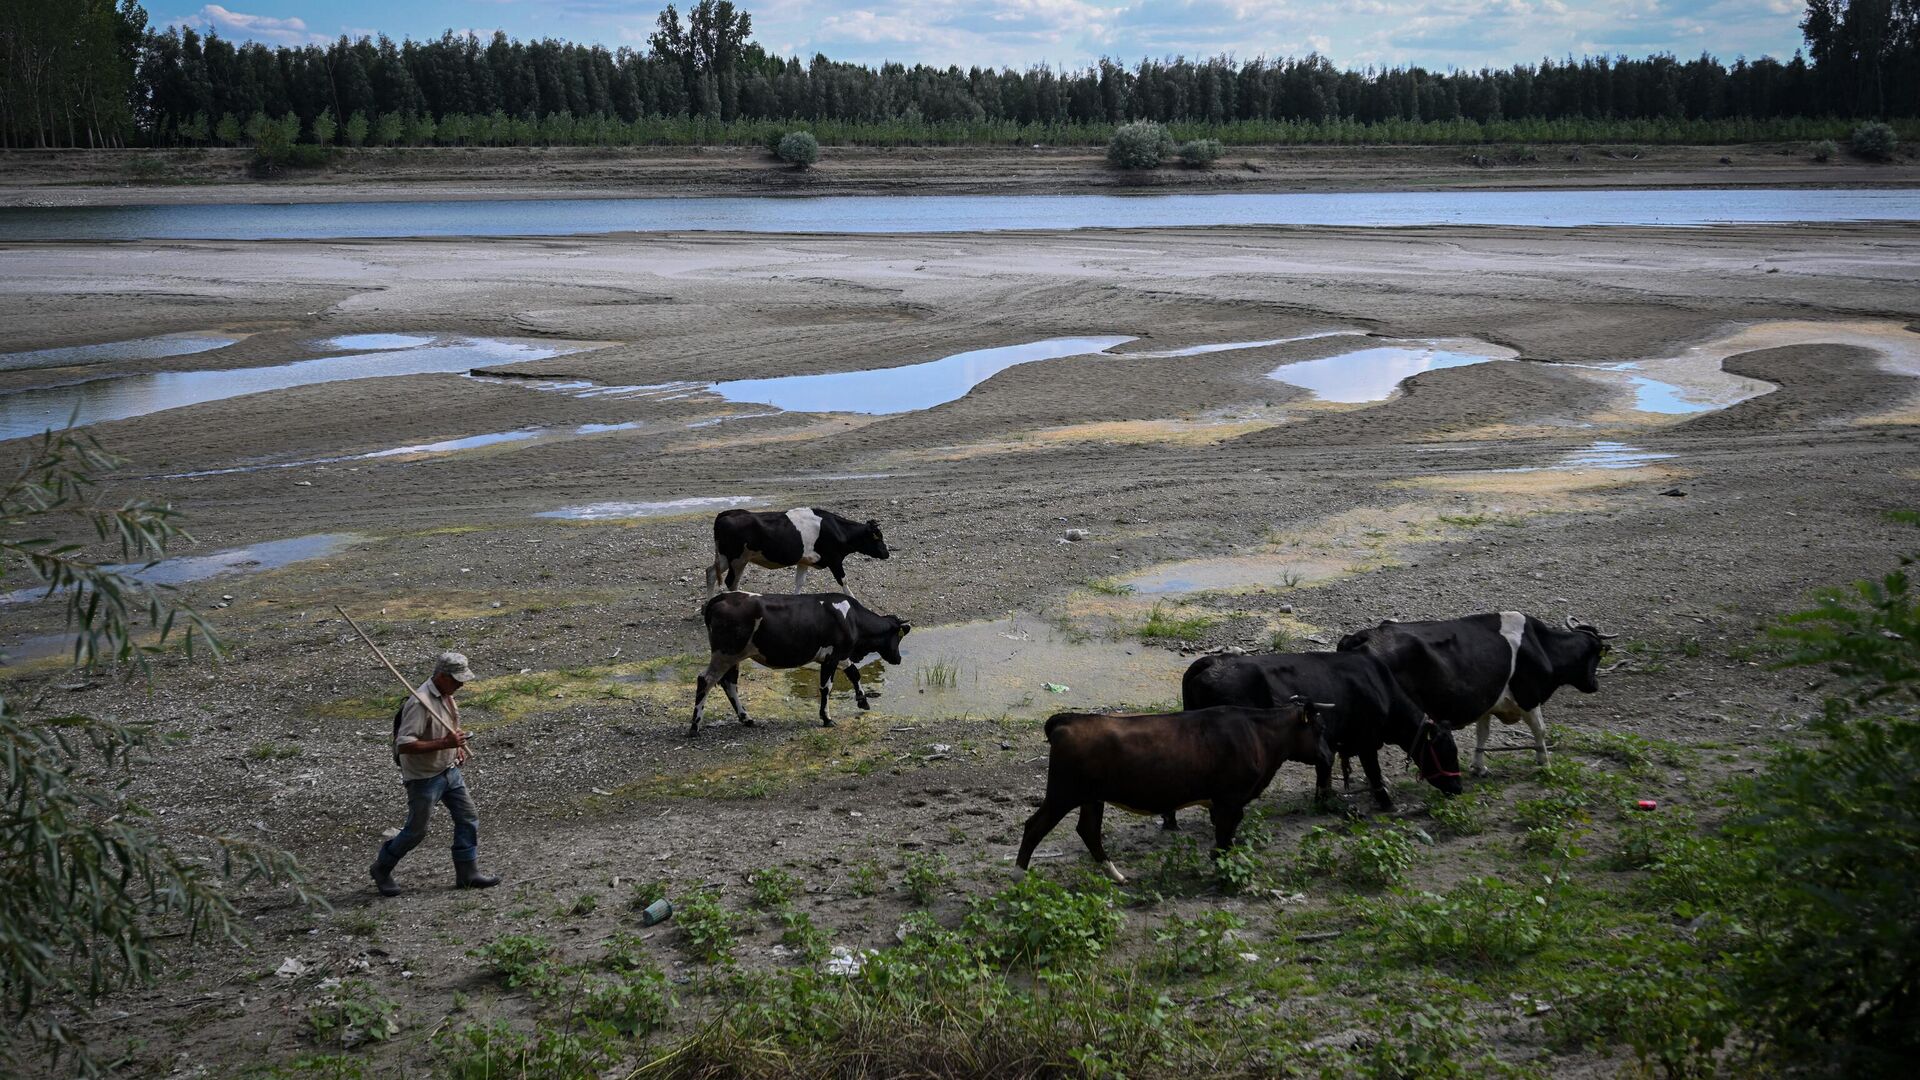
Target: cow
[1156,763]
[802,538]
[790,631]
[1365,709]
[1472,669]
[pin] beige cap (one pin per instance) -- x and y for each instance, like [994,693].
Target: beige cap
[454,666]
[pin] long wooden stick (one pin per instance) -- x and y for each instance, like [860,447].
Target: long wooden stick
[411,689]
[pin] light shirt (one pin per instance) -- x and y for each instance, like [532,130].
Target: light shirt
[418,725]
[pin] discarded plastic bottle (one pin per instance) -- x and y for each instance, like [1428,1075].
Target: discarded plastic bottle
[657,912]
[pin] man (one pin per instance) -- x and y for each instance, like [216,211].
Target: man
[430,747]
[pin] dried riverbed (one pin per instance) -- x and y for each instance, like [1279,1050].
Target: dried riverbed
[1220,506]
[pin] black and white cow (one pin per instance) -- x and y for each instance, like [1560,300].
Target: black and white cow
[790,631]
[1472,669]
[802,538]
[1361,705]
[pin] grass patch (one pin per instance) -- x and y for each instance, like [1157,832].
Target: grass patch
[1164,622]
[273,751]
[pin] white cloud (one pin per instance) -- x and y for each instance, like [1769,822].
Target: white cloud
[264,28]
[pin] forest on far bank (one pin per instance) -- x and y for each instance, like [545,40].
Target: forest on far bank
[94,73]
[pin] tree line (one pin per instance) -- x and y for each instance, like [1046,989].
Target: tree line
[91,73]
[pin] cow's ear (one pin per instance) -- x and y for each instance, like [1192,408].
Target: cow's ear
[873,523]
[906,628]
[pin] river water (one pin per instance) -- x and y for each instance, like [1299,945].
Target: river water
[952,213]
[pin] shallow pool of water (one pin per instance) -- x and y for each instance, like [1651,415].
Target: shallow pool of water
[355,342]
[1600,455]
[617,511]
[952,213]
[29,412]
[151,348]
[252,559]
[1371,374]
[907,388]
[990,669]
[1226,572]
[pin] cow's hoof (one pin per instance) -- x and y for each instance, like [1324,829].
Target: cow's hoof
[826,721]
[1478,772]
[1169,826]
[745,720]
[1113,872]
[862,702]
[693,731]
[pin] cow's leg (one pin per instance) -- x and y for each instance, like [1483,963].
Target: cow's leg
[840,577]
[715,572]
[827,668]
[1538,724]
[799,577]
[1168,822]
[1482,729]
[859,695]
[1089,830]
[1039,825]
[717,668]
[730,682]
[1323,797]
[1346,772]
[1226,821]
[1370,764]
[734,569]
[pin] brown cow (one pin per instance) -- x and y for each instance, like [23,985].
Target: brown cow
[1156,763]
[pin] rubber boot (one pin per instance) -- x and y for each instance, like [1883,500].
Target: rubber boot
[467,875]
[382,872]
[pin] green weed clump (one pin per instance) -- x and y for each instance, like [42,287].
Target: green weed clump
[631,1003]
[494,1051]
[1168,623]
[707,928]
[519,959]
[774,889]
[1874,141]
[352,1014]
[1203,945]
[927,876]
[1484,923]
[1043,925]
[1364,855]
[1199,153]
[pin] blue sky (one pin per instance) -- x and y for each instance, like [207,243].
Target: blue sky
[1017,33]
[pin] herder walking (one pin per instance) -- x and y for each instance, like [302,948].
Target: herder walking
[430,748]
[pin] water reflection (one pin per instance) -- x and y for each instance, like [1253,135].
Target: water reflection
[252,559]
[30,412]
[1371,374]
[907,388]
[152,348]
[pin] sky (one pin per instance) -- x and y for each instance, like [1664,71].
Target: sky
[1435,34]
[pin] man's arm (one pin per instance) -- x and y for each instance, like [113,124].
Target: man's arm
[456,741]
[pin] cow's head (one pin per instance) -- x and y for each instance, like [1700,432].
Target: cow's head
[1576,658]
[870,542]
[889,646]
[1436,756]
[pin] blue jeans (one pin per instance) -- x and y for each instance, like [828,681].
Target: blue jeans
[449,788]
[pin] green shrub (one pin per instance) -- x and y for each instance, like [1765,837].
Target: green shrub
[1824,150]
[706,928]
[927,877]
[773,889]
[1482,923]
[314,1067]
[1199,153]
[1203,945]
[626,952]
[798,149]
[1874,141]
[1041,924]
[1428,1041]
[519,959]
[1142,144]
[353,1013]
